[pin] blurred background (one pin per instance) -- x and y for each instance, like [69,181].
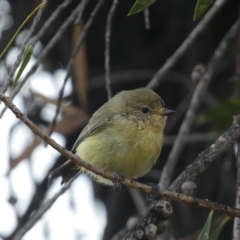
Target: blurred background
[88,210]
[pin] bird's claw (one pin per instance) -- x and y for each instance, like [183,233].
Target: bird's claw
[117,181]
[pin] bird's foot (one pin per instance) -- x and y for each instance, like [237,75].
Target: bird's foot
[155,192]
[117,181]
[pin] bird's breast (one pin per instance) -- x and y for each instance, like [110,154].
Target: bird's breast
[126,147]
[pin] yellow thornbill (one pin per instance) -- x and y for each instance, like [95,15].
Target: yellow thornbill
[125,136]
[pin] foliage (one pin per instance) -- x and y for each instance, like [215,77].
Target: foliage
[201,7]
[22,67]
[20,28]
[140,5]
[204,235]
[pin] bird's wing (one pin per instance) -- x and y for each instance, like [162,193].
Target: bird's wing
[96,123]
[68,170]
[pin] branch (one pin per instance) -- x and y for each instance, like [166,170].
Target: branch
[186,44]
[218,55]
[206,158]
[201,164]
[49,21]
[23,49]
[73,55]
[107,47]
[46,50]
[146,18]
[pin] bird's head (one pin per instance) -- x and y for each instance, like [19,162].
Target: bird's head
[145,106]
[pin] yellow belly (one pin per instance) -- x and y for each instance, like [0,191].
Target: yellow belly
[131,153]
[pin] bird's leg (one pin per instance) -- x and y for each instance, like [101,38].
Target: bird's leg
[117,181]
[155,192]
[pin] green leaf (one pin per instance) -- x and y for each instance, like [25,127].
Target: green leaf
[140,5]
[204,235]
[221,114]
[201,7]
[217,232]
[22,67]
[20,28]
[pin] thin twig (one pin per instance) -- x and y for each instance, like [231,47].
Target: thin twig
[236,226]
[179,144]
[39,213]
[203,203]
[201,164]
[46,50]
[146,18]
[217,6]
[73,55]
[107,47]
[23,50]
[50,20]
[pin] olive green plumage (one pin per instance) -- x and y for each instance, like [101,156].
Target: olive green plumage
[125,135]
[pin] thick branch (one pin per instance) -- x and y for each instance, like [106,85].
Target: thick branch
[215,151]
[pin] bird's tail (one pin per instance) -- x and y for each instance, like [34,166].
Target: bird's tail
[67,171]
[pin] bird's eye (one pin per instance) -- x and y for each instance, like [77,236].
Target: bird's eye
[144,110]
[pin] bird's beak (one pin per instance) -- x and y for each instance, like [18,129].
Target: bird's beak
[167,112]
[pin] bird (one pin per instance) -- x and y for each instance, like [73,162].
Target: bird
[124,136]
